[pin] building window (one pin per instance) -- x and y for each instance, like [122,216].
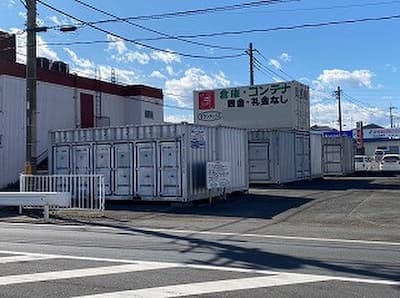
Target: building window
[148,114]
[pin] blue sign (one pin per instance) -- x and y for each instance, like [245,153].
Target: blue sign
[335,134]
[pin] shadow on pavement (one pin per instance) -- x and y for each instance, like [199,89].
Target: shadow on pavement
[225,254]
[246,206]
[338,183]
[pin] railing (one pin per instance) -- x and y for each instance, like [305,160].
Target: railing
[87,191]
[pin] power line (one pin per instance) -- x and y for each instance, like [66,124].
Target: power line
[246,5]
[280,69]
[280,28]
[333,7]
[259,64]
[137,42]
[156,31]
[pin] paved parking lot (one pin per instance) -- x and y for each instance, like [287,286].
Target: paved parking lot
[343,207]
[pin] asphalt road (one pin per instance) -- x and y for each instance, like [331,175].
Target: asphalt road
[316,240]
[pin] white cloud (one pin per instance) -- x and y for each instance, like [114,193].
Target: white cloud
[275,63]
[132,56]
[158,75]
[356,78]
[165,57]
[179,118]
[392,68]
[80,62]
[181,90]
[117,44]
[326,113]
[123,53]
[11,3]
[170,70]
[43,49]
[285,57]
[323,108]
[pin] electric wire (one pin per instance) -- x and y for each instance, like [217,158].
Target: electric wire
[156,31]
[246,5]
[136,42]
[280,28]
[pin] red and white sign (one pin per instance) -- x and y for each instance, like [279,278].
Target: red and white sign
[206,100]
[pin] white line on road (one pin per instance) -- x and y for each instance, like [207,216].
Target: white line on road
[213,233]
[24,258]
[56,275]
[377,242]
[202,288]
[141,265]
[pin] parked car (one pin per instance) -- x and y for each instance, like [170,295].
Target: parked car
[362,162]
[390,162]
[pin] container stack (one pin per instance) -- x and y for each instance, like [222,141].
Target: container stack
[277,117]
[162,162]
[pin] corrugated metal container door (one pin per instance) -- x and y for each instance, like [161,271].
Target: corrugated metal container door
[303,170]
[123,169]
[61,160]
[232,146]
[146,170]
[259,168]
[197,157]
[81,159]
[338,156]
[286,152]
[103,165]
[170,169]
[316,156]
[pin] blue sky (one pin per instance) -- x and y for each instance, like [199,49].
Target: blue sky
[363,58]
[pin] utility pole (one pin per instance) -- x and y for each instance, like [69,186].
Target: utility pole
[31,133]
[391,108]
[338,93]
[251,64]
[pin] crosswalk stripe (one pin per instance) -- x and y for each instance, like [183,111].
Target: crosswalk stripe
[56,275]
[213,286]
[25,258]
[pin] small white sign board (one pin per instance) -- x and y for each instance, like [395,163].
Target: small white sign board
[218,174]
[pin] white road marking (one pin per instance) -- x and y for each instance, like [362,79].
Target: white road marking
[24,258]
[212,233]
[65,274]
[161,265]
[212,286]
[356,241]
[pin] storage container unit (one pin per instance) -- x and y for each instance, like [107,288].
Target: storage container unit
[165,162]
[281,105]
[338,156]
[317,164]
[278,156]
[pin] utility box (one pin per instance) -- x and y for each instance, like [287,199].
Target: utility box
[162,162]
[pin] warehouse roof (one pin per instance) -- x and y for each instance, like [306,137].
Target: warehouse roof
[75,81]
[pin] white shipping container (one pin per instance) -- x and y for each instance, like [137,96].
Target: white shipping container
[284,105]
[277,156]
[338,156]
[317,164]
[163,162]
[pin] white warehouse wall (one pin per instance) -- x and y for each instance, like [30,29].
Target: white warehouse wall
[57,109]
